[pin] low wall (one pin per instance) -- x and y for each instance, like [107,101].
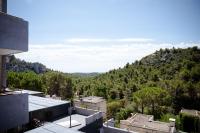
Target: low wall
[94,127]
[110,122]
[93,121]
[93,117]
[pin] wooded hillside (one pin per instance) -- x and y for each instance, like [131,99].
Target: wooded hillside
[160,83]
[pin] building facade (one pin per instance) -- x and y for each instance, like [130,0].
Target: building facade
[92,102]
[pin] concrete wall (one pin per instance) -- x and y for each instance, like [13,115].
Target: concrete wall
[84,111]
[13,111]
[93,117]
[94,121]
[13,34]
[50,114]
[0,71]
[93,127]
[3,73]
[100,106]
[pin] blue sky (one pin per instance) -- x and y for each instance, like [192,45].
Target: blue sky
[99,35]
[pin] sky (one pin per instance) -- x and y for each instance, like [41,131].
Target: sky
[100,35]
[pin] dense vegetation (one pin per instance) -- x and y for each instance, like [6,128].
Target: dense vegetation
[52,83]
[159,84]
[175,72]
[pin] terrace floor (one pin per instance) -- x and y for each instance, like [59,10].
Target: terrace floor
[52,128]
[78,121]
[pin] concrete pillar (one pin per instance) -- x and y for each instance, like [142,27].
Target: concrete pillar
[4,9]
[0,73]
[3,72]
[3,6]
[0,5]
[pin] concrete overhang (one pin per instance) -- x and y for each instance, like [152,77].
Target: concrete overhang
[13,34]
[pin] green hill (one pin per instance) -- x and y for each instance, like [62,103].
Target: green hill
[93,74]
[160,83]
[18,65]
[175,70]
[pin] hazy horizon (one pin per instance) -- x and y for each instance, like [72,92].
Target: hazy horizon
[127,52]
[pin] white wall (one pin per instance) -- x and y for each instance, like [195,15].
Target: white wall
[93,117]
[84,111]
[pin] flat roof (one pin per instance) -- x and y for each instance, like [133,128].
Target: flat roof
[92,99]
[75,117]
[154,125]
[37,103]
[140,118]
[30,92]
[146,121]
[52,128]
[191,112]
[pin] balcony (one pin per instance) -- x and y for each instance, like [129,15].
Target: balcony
[13,34]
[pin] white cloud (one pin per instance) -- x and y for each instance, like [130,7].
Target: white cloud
[107,40]
[135,40]
[94,55]
[86,40]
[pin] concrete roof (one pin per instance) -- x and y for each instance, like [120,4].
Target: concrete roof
[92,99]
[140,118]
[30,92]
[36,103]
[75,117]
[191,112]
[146,121]
[52,128]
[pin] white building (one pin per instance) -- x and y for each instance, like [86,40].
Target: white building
[92,102]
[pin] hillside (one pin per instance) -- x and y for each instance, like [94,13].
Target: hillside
[18,65]
[93,74]
[160,84]
[175,70]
